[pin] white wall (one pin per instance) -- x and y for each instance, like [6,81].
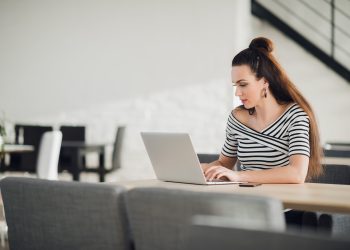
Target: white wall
[63,55]
[151,65]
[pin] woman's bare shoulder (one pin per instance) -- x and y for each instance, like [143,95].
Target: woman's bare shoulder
[240,113]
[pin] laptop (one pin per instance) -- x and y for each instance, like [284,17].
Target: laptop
[173,158]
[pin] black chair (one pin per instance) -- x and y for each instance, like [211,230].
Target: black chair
[70,134]
[73,133]
[28,135]
[116,157]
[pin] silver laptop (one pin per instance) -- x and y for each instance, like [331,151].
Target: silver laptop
[173,158]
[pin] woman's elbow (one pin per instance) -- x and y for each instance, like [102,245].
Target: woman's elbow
[299,177]
[298,180]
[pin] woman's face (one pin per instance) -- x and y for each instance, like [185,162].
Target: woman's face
[248,88]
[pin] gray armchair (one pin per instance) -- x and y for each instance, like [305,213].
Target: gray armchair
[160,218]
[59,215]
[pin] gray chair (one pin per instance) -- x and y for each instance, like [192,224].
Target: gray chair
[160,218]
[334,224]
[206,237]
[44,214]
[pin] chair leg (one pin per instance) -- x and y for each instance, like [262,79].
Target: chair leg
[325,223]
[76,176]
[102,170]
[294,220]
[310,221]
[102,177]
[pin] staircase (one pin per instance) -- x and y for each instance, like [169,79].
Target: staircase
[320,26]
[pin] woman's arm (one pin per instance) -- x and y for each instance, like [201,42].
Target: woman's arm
[295,172]
[223,161]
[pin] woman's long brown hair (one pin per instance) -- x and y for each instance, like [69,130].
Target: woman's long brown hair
[263,64]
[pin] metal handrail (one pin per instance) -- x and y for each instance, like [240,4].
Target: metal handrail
[329,57]
[334,27]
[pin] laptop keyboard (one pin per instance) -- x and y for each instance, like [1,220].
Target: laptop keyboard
[216,180]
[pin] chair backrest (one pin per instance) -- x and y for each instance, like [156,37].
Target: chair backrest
[207,158]
[334,174]
[49,152]
[58,215]
[208,238]
[73,133]
[117,148]
[30,135]
[70,134]
[159,217]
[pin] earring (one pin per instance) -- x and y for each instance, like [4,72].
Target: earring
[265,93]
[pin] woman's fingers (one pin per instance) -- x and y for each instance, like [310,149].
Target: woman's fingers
[222,175]
[209,172]
[229,174]
[220,172]
[212,172]
[210,169]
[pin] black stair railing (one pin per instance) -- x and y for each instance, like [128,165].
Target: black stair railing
[263,12]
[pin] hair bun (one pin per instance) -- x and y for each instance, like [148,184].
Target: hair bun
[262,44]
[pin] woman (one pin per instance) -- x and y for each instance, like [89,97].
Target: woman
[274,131]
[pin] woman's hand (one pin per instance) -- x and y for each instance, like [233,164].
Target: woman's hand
[205,166]
[220,172]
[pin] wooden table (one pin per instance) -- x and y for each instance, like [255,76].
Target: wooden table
[14,149]
[308,196]
[17,148]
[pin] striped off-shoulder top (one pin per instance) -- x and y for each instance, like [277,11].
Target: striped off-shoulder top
[288,135]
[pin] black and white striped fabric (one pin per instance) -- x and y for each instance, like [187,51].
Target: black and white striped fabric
[288,135]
